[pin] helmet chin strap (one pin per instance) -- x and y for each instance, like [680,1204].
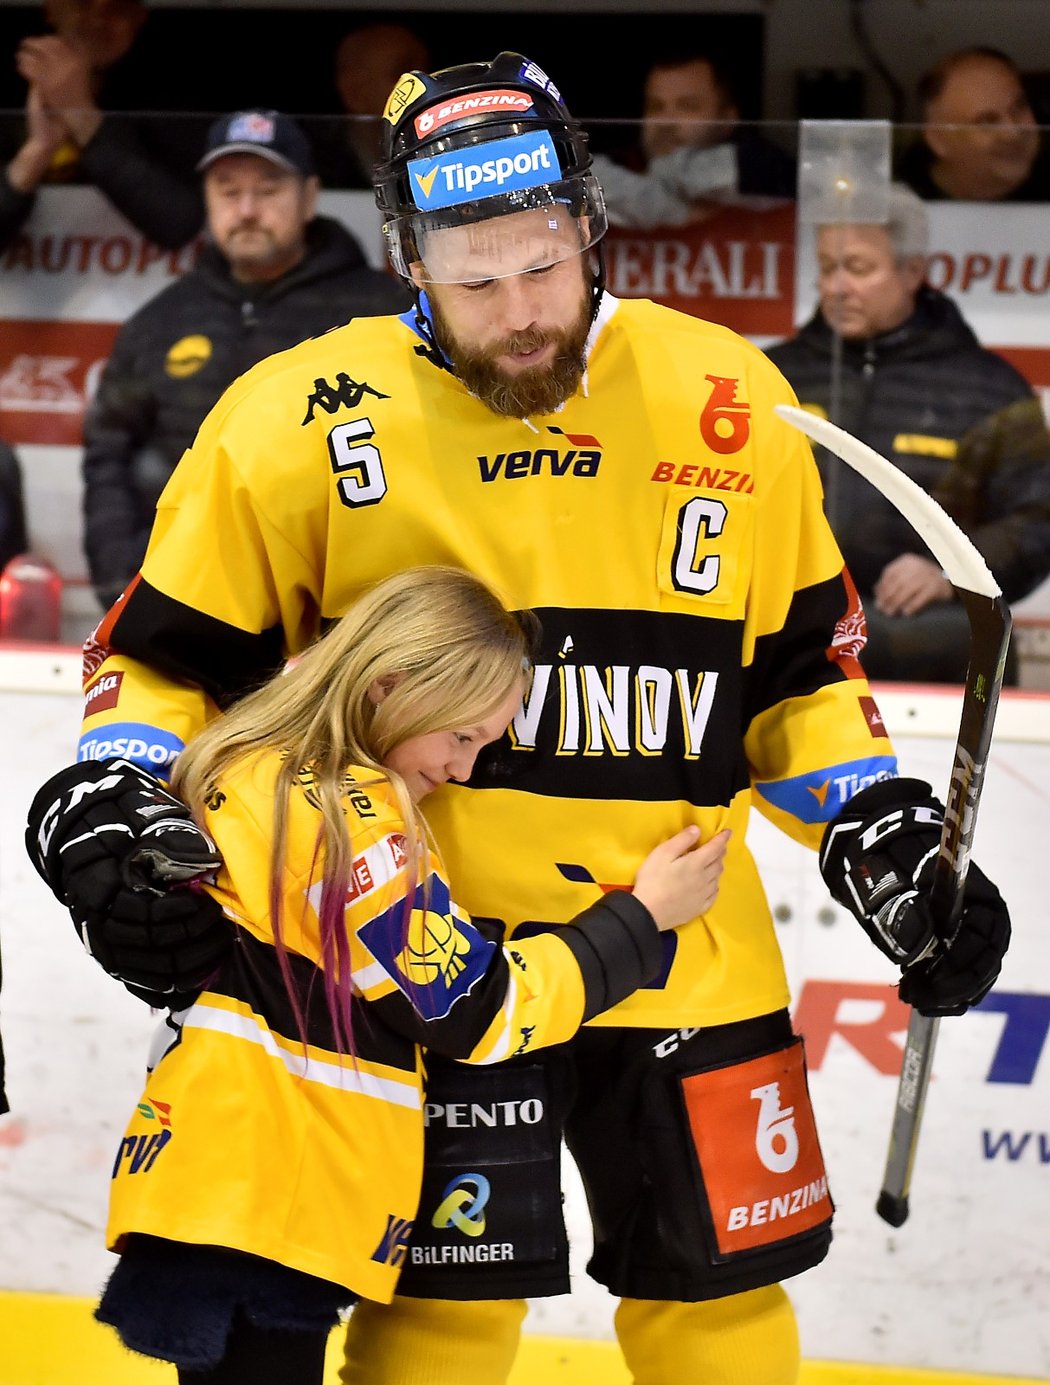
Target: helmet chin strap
[424,325]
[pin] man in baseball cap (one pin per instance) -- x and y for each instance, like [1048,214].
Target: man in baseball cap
[272,274]
[260,191]
[269,134]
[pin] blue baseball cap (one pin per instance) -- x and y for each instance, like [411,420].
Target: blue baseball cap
[269,134]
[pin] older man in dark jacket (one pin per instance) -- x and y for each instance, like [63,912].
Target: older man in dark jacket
[272,274]
[907,376]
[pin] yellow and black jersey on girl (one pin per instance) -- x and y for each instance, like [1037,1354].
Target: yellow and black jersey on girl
[666,525]
[311,1157]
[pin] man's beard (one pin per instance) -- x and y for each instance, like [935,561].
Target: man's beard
[536,390]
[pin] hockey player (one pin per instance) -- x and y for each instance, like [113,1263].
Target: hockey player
[617,467]
[303,1048]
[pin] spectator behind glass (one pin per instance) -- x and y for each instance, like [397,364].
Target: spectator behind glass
[959,420]
[694,154]
[12,507]
[29,166]
[980,140]
[368,62]
[272,274]
[93,79]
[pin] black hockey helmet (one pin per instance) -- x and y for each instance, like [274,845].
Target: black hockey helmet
[474,143]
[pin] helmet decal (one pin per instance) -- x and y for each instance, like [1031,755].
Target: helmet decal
[409,87]
[532,72]
[498,166]
[445,112]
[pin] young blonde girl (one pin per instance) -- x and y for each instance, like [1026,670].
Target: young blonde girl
[270,1174]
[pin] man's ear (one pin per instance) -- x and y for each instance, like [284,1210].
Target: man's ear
[311,187]
[913,271]
[937,140]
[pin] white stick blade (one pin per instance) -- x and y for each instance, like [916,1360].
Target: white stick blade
[956,554]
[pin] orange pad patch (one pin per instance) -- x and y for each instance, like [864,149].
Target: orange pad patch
[756,1142]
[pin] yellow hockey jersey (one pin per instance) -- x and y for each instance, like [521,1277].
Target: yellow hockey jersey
[699,630]
[312,1157]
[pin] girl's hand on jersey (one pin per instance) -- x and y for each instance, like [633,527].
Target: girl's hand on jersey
[679,879]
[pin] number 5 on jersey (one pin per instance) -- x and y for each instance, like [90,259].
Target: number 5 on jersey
[357,463]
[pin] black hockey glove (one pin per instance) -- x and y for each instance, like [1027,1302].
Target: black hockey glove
[877,859]
[114,846]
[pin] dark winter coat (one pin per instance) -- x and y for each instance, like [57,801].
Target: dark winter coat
[173,359]
[958,419]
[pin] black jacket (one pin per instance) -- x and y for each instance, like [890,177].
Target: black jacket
[958,419]
[15,207]
[173,359]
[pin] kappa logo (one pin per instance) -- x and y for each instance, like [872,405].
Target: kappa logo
[344,394]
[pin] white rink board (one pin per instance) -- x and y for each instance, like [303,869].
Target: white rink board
[965,1285]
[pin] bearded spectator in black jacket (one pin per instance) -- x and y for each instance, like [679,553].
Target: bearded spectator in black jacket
[908,377]
[271,275]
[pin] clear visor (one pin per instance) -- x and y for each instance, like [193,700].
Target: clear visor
[497,237]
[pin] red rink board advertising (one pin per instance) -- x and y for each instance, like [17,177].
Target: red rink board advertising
[78,270]
[736,267]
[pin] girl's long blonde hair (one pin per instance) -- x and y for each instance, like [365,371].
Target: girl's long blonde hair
[447,653]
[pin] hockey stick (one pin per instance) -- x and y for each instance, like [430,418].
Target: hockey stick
[990,622]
